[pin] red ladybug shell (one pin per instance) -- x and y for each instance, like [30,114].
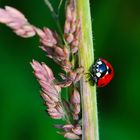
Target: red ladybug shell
[103,81]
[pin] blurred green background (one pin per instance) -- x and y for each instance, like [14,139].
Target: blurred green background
[116,29]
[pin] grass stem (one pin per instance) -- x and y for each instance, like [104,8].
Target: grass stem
[86,59]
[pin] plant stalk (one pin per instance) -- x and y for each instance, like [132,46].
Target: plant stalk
[86,59]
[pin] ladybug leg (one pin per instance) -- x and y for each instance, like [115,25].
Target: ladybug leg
[88,76]
[93,79]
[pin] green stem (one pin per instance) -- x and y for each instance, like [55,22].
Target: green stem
[59,6]
[86,59]
[56,18]
[54,15]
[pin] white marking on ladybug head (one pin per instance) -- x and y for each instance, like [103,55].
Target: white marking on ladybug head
[107,68]
[97,66]
[99,62]
[97,70]
[98,74]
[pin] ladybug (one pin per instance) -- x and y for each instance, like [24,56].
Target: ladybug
[101,72]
